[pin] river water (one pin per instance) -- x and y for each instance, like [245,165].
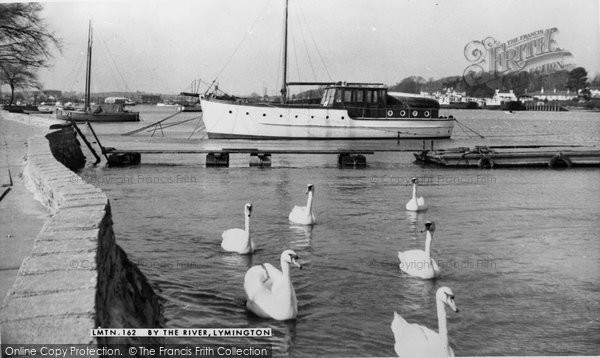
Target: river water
[519,248]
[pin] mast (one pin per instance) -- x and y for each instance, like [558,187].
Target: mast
[285,36]
[88,69]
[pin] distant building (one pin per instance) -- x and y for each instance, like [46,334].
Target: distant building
[500,98]
[52,94]
[554,95]
[150,98]
[595,92]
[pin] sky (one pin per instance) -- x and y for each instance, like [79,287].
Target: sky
[162,46]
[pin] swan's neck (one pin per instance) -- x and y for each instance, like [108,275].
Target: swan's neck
[415,191]
[442,326]
[309,202]
[428,245]
[287,281]
[247,225]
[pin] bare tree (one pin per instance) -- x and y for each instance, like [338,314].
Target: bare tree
[24,38]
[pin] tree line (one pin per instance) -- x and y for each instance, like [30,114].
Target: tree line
[26,45]
[520,82]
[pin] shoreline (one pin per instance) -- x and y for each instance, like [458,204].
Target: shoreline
[75,277]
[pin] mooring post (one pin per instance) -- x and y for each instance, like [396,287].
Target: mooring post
[260,160]
[217,159]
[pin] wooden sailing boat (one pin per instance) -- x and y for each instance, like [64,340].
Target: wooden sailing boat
[346,111]
[109,112]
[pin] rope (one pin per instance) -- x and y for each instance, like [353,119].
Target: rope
[239,45]
[461,125]
[196,128]
[315,43]
[306,46]
[115,66]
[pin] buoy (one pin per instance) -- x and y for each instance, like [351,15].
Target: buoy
[560,161]
[485,162]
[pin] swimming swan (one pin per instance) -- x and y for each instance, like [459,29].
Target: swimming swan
[416,203]
[413,340]
[270,291]
[419,263]
[238,240]
[304,215]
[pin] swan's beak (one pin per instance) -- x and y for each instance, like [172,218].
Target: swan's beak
[452,305]
[298,264]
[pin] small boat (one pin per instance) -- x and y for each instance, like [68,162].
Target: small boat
[106,112]
[344,111]
[190,107]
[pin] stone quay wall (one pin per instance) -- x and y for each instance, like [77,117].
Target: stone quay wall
[76,278]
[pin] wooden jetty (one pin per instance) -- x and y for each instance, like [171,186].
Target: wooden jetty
[488,157]
[219,157]
[546,107]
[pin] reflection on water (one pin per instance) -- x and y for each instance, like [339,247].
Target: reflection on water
[516,250]
[411,217]
[302,236]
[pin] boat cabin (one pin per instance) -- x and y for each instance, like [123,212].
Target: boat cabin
[372,100]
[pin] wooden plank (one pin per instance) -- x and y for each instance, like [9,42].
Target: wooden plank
[238,150]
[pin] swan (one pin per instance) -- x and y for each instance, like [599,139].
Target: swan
[238,240]
[416,203]
[419,263]
[270,291]
[413,340]
[304,215]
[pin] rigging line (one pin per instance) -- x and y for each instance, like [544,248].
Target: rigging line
[295,55]
[115,65]
[279,65]
[74,75]
[315,44]
[240,44]
[300,26]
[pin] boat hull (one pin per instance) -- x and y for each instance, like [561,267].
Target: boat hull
[228,120]
[82,116]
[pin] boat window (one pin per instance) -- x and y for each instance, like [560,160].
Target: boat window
[375,96]
[324,98]
[359,96]
[370,96]
[338,96]
[347,96]
[327,99]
